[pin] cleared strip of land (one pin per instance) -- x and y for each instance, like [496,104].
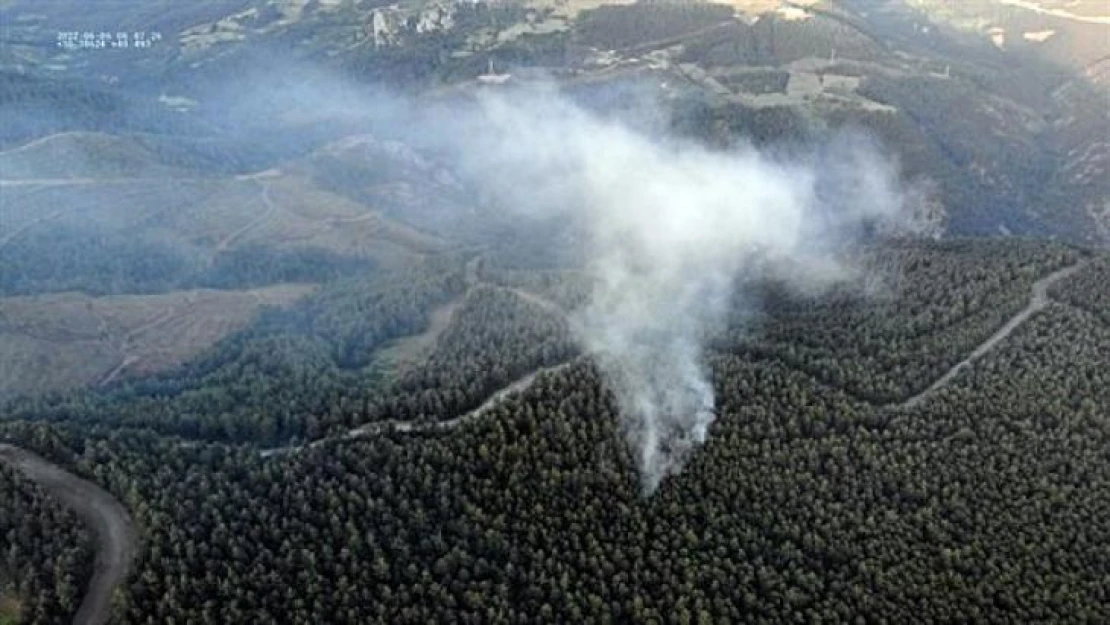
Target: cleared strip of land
[1037,301]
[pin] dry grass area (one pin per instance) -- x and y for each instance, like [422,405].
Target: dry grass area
[284,210]
[53,342]
[755,7]
[1080,29]
[1094,11]
[571,8]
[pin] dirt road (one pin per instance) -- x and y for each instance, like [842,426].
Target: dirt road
[263,217]
[494,400]
[115,534]
[378,427]
[423,344]
[1037,301]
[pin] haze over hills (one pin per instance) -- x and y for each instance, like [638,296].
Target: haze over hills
[1069,32]
[1011,136]
[554,311]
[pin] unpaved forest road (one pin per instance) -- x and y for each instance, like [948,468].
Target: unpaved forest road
[1037,302]
[109,520]
[450,424]
[377,427]
[265,216]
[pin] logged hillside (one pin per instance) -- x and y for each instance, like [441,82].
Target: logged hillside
[58,342]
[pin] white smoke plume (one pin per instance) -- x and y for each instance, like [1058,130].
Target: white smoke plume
[670,225]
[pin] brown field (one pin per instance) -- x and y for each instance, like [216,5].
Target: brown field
[59,341]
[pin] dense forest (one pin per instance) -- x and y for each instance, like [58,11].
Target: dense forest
[1088,289]
[818,498]
[47,554]
[935,310]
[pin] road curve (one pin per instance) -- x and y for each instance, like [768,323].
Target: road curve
[115,534]
[1038,300]
[473,279]
[378,427]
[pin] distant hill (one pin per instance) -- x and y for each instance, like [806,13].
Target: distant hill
[1070,32]
[81,154]
[1010,133]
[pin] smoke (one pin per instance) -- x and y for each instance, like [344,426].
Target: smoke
[670,226]
[666,225]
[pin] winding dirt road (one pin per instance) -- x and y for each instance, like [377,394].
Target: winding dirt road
[115,534]
[378,427]
[423,343]
[1037,302]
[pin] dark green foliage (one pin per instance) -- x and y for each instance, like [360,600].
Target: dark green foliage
[1089,289]
[568,290]
[949,141]
[498,336]
[46,555]
[758,82]
[33,107]
[937,304]
[256,265]
[775,42]
[64,258]
[724,125]
[986,503]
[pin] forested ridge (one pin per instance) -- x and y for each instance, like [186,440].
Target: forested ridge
[812,500]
